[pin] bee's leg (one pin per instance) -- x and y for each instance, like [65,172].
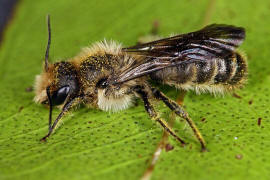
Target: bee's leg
[66,108]
[154,115]
[152,36]
[177,109]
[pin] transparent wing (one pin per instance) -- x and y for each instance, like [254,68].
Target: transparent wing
[213,41]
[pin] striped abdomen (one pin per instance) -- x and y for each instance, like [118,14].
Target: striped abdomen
[214,76]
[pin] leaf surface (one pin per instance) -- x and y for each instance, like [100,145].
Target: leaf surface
[92,144]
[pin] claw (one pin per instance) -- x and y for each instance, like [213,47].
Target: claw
[44,139]
[204,149]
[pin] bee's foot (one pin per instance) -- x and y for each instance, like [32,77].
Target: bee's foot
[204,149]
[183,144]
[44,139]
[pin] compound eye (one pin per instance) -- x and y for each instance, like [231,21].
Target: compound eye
[102,83]
[60,95]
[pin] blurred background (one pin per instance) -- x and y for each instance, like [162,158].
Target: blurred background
[6,10]
[97,145]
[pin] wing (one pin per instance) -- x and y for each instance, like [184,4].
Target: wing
[213,41]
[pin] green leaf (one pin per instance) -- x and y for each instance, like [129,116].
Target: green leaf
[92,144]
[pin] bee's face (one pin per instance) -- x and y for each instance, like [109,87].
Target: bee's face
[59,81]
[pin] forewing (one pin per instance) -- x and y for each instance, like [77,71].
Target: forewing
[213,41]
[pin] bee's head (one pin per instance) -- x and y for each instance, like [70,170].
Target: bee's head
[57,85]
[56,82]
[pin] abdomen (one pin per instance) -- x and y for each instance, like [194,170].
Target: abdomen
[214,76]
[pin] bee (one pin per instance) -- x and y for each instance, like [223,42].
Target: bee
[108,77]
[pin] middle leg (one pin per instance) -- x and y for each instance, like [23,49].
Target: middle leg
[154,115]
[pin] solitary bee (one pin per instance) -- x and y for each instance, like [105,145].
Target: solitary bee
[108,77]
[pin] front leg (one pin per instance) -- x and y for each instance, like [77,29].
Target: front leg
[154,115]
[68,105]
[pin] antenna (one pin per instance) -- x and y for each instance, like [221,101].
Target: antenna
[49,43]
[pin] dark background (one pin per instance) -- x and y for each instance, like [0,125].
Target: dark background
[6,11]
